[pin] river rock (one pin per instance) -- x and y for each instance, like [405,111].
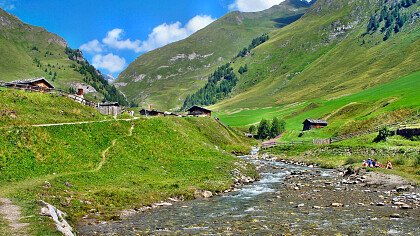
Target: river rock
[317,207]
[202,194]
[399,203]
[406,206]
[404,188]
[336,204]
[395,216]
[380,204]
[300,205]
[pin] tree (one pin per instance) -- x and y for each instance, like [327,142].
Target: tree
[383,134]
[252,129]
[275,128]
[263,129]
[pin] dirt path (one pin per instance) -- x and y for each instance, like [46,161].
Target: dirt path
[13,215]
[84,122]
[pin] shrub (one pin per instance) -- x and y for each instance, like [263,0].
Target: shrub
[351,160]
[400,161]
[252,129]
[417,161]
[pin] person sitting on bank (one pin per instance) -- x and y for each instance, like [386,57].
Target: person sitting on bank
[364,163]
[369,162]
[388,165]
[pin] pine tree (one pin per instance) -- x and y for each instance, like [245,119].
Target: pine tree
[263,129]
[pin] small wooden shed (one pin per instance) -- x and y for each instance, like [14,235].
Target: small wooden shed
[309,124]
[109,108]
[199,111]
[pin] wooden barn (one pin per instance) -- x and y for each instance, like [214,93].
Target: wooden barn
[309,124]
[199,111]
[109,108]
[39,83]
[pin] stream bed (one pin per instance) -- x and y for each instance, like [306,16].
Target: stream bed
[288,200]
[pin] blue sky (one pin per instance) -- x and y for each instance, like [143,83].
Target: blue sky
[112,34]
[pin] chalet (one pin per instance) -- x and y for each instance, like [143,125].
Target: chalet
[309,124]
[199,111]
[109,108]
[39,83]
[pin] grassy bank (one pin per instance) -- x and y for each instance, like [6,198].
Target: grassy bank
[403,153]
[113,166]
[29,108]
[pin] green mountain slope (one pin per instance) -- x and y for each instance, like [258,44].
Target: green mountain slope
[28,51]
[324,56]
[164,77]
[111,166]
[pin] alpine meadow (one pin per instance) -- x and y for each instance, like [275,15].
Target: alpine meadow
[233,117]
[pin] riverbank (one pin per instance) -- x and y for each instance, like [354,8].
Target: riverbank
[95,171]
[406,160]
[289,199]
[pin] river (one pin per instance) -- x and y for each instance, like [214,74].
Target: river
[289,199]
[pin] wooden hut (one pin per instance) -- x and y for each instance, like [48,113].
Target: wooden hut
[199,111]
[109,108]
[309,124]
[37,84]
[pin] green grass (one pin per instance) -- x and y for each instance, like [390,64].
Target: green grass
[164,157]
[219,42]
[387,103]
[37,108]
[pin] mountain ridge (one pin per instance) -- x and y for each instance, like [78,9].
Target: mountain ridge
[165,76]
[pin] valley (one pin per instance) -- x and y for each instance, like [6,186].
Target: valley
[287,104]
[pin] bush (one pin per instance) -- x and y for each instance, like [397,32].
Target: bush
[351,160]
[417,161]
[252,129]
[400,161]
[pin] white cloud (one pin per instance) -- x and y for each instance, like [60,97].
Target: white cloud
[113,40]
[7,4]
[253,5]
[93,46]
[110,62]
[168,33]
[198,22]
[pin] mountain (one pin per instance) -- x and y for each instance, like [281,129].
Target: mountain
[164,77]
[28,51]
[344,61]
[329,53]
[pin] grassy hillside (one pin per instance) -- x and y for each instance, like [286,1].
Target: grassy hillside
[28,52]
[109,166]
[391,102]
[164,77]
[326,55]
[20,108]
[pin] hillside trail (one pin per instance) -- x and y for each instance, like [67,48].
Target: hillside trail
[83,122]
[13,216]
[12,213]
